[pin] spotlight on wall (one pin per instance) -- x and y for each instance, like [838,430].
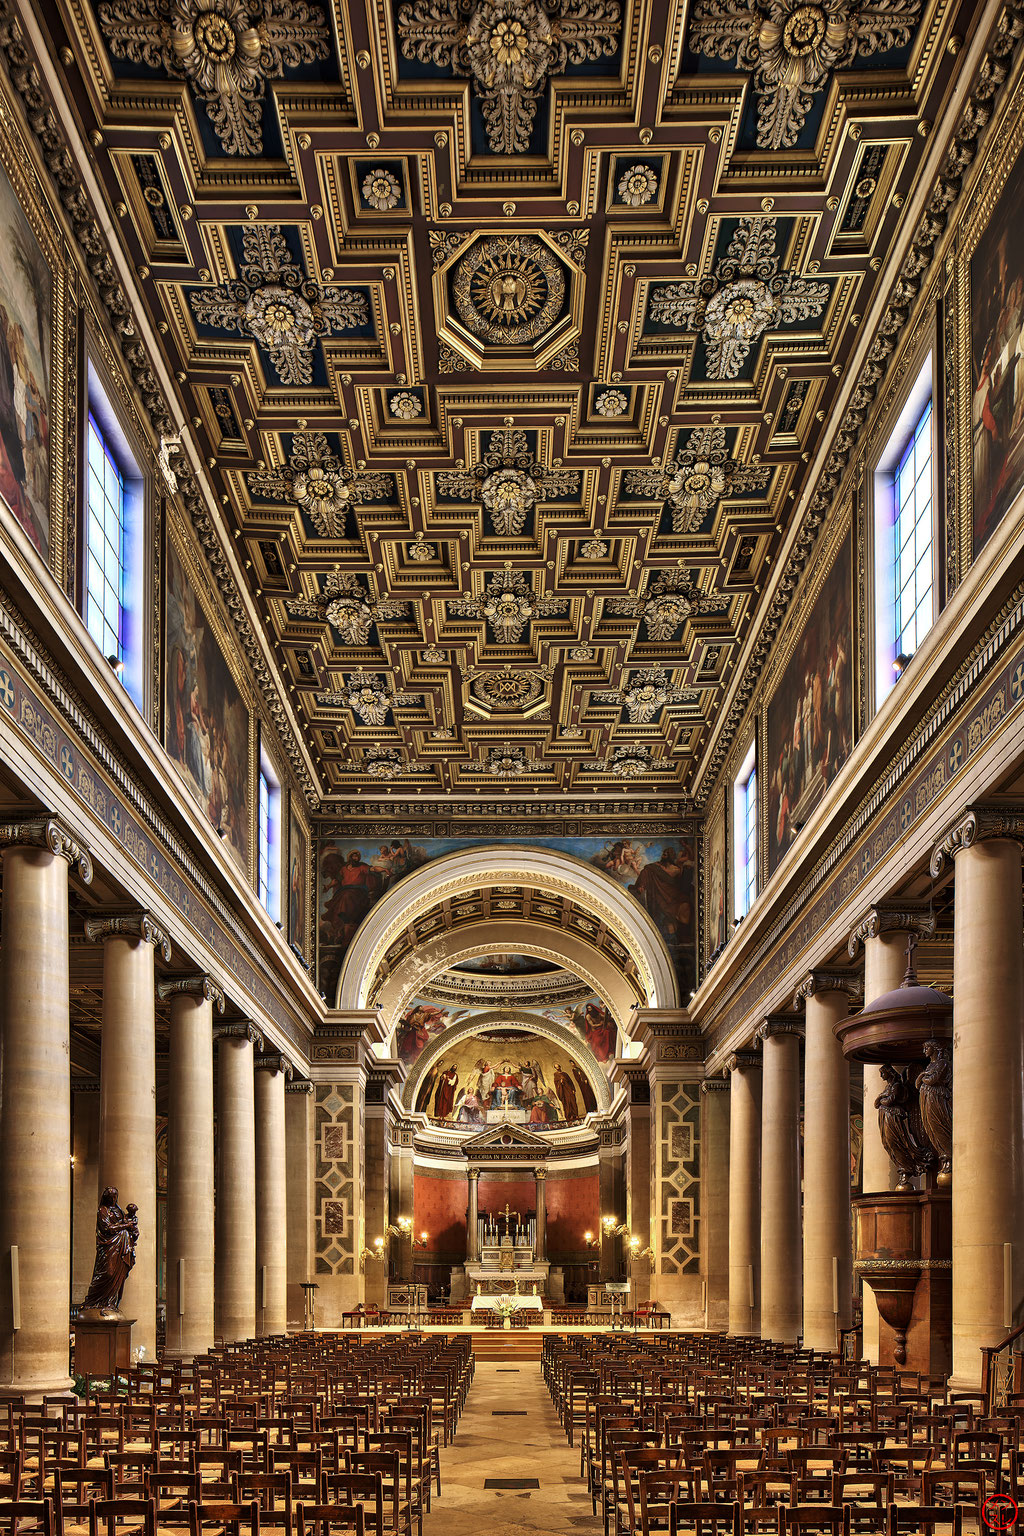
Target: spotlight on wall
[116,665]
[901,663]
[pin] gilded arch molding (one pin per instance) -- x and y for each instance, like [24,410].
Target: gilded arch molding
[537,869]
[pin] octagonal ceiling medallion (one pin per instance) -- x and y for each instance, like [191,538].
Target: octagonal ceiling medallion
[511,300]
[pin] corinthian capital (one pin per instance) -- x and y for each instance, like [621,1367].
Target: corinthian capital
[828,981]
[883,917]
[241,1029]
[127,925]
[198,986]
[977,824]
[48,832]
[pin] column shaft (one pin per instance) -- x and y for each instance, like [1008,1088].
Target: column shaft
[780,1189]
[988,1072]
[298,1127]
[236,1191]
[190,1177]
[744,1199]
[828,1256]
[85,1183]
[128,1115]
[472,1218]
[714,1247]
[271,1204]
[540,1179]
[35,1127]
[885,962]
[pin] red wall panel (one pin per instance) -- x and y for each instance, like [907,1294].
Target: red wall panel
[440,1206]
[573,1207]
[439,1209]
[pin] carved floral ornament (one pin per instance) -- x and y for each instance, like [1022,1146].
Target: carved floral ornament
[315,480]
[382,190]
[637,186]
[509,49]
[345,603]
[647,694]
[369,697]
[746,296]
[695,481]
[507,603]
[793,47]
[275,303]
[508,481]
[508,689]
[227,50]
[667,603]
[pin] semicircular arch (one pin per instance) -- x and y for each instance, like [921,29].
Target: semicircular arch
[543,870]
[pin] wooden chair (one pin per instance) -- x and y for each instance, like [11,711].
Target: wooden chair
[914,1518]
[323,1519]
[703,1519]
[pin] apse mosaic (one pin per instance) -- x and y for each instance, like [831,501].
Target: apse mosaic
[659,873]
[423,1020]
[506,1075]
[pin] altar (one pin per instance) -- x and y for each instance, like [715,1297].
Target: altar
[507,1249]
[522,1303]
[507,1253]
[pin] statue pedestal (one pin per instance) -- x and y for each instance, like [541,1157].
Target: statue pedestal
[103,1346]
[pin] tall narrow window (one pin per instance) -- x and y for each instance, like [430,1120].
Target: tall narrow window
[105,554]
[114,583]
[913,539]
[269,860]
[905,536]
[745,834]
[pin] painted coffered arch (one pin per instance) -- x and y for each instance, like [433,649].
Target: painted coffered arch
[557,908]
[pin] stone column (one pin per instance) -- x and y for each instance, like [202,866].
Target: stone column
[272,1073]
[612,1200]
[401,1194]
[780,1178]
[128,1095]
[744,1191]
[638,1171]
[539,1177]
[85,1180]
[35,1090]
[828,1242]
[883,931]
[189,1224]
[298,1133]
[235,1273]
[988,1068]
[714,1246]
[472,1217]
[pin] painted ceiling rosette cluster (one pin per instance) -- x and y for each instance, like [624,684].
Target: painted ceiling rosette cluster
[273,301]
[508,481]
[695,481]
[746,296]
[793,47]
[319,484]
[227,50]
[510,49]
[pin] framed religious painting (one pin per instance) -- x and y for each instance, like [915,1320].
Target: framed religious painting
[297,884]
[991,308]
[207,722]
[38,360]
[809,721]
[716,877]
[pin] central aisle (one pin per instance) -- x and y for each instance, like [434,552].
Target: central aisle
[493,1444]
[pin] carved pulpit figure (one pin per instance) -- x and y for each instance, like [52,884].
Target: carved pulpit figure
[935,1094]
[899,1125]
[117,1233]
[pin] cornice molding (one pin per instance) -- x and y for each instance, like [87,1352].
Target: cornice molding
[50,832]
[885,917]
[128,925]
[978,824]
[242,1029]
[200,985]
[828,981]
[776,1024]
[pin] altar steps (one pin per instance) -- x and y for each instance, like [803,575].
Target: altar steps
[518,1344]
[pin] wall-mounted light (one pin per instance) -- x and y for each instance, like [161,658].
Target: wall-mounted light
[591,1241]
[116,665]
[900,663]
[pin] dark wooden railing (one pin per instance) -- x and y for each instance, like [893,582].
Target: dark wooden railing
[1002,1370]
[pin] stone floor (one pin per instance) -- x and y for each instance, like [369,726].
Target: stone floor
[492,1443]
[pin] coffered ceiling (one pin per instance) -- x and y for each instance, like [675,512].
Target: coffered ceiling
[508,329]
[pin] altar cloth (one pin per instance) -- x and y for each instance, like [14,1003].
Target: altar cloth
[523,1303]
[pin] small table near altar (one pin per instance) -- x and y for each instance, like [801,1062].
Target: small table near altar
[523,1303]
